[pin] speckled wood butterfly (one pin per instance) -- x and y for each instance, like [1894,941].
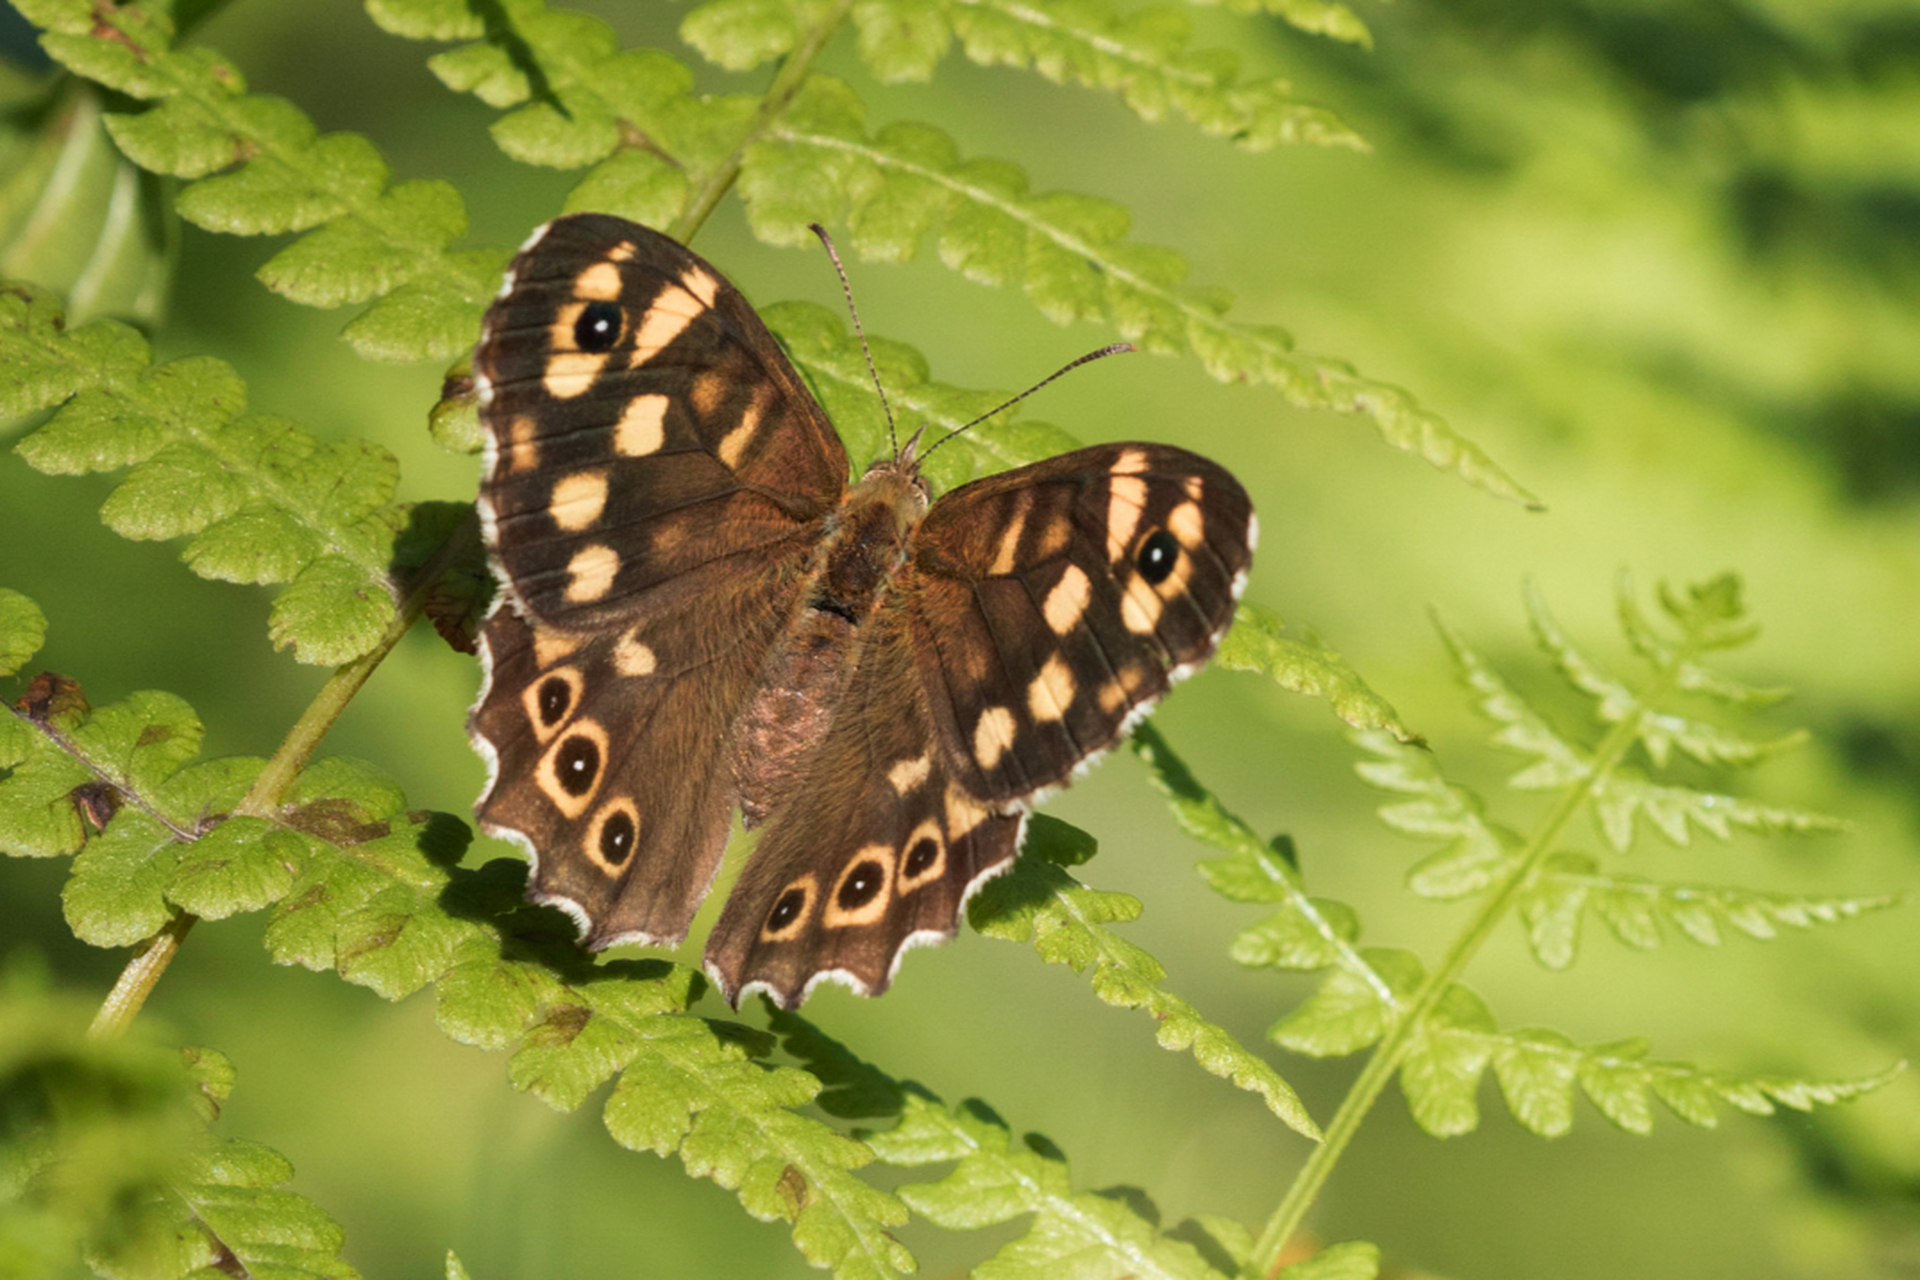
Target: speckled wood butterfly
[699,612]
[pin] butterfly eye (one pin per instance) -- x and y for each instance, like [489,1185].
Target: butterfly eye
[1158,554]
[577,765]
[598,327]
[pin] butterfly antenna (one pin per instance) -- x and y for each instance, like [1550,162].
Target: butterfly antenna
[846,287]
[1117,348]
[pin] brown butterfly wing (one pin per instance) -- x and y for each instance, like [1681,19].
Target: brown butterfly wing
[657,479]
[1041,612]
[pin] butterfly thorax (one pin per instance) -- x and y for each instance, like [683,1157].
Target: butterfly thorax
[801,684]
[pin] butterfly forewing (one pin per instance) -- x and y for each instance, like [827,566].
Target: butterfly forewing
[645,429]
[1055,603]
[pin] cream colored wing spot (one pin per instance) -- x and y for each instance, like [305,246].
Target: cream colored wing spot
[1126,499]
[1140,606]
[735,443]
[863,891]
[578,500]
[570,772]
[672,311]
[964,813]
[992,736]
[1067,602]
[550,700]
[790,910]
[550,647]
[591,572]
[1186,523]
[631,657]
[523,445]
[1007,554]
[923,859]
[1051,692]
[570,371]
[622,252]
[642,428]
[1113,697]
[701,285]
[612,834]
[709,393]
[906,776]
[598,283]
[1196,487]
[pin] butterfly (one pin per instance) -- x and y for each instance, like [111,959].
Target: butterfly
[699,612]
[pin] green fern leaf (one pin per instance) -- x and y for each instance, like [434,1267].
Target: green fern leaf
[260,167]
[1663,654]
[1067,251]
[1522,728]
[1141,55]
[1568,885]
[427,19]
[996,1179]
[1537,1069]
[1349,1260]
[1038,902]
[265,501]
[1256,643]
[1477,853]
[903,40]
[739,35]
[1676,811]
[1352,1009]
[23,629]
[1441,1069]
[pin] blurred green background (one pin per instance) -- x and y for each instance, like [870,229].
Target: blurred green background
[1662,260]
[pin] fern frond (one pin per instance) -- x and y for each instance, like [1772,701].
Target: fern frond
[263,501]
[257,166]
[1661,731]
[1257,643]
[1066,922]
[23,629]
[1569,885]
[1522,728]
[1478,852]
[1309,933]
[1663,654]
[996,1179]
[117,1165]
[1353,1007]
[1140,54]
[1538,1070]
[1676,811]
[1067,252]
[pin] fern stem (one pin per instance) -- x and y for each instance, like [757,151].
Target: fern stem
[137,979]
[1373,1078]
[793,73]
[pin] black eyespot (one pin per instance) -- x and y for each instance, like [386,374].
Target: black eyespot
[616,837]
[787,910]
[577,765]
[1158,554]
[861,884]
[556,695]
[598,327]
[924,854]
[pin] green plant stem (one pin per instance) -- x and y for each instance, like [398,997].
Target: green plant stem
[269,790]
[793,73]
[136,980]
[1386,1057]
